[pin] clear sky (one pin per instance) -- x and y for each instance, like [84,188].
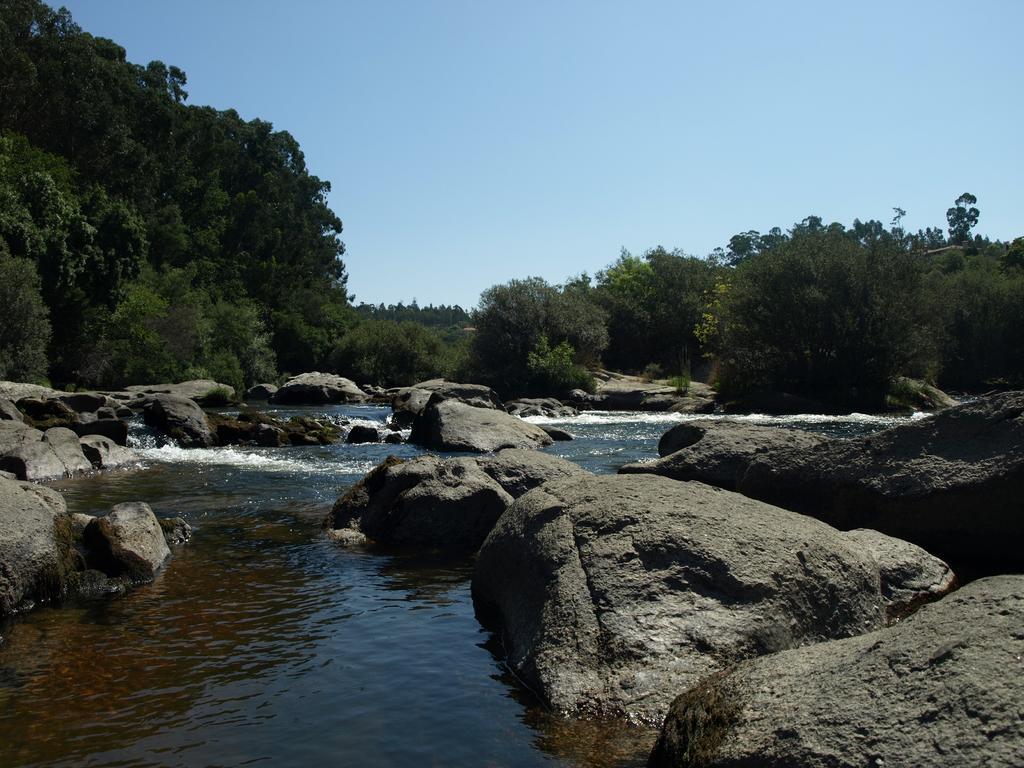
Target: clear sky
[471,142]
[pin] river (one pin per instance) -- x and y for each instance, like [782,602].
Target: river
[261,643]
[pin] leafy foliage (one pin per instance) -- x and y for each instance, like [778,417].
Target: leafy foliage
[109,181]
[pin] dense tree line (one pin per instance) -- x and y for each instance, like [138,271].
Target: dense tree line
[828,311]
[169,240]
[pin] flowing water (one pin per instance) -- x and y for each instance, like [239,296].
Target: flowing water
[260,643]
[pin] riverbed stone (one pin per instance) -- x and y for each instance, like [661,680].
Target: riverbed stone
[451,425]
[260,392]
[519,470]
[180,419]
[36,552]
[9,411]
[128,540]
[197,390]
[104,453]
[427,502]
[951,483]
[942,687]
[27,453]
[547,407]
[317,388]
[362,433]
[477,395]
[112,428]
[718,452]
[612,593]
[68,448]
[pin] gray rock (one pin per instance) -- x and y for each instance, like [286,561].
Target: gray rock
[909,576]
[47,413]
[406,405]
[181,419]
[450,425]
[68,448]
[113,428]
[558,435]
[9,411]
[104,453]
[176,531]
[360,433]
[198,390]
[951,483]
[614,592]
[942,688]
[317,389]
[84,402]
[128,540]
[718,452]
[518,471]
[260,392]
[25,453]
[441,504]
[394,438]
[36,552]
[16,390]
[477,395]
[548,407]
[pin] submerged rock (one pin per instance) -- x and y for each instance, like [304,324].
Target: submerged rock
[614,592]
[361,433]
[941,688]
[128,540]
[36,553]
[317,388]
[450,425]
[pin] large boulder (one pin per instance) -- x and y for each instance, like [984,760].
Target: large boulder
[33,455]
[362,433]
[451,425]
[112,428]
[104,453]
[260,392]
[128,540]
[477,395]
[406,404]
[718,452]
[621,392]
[9,411]
[518,470]
[200,390]
[180,419]
[440,504]
[36,552]
[43,414]
[68,448]
[614,592]
[428,502]
[951,483]
[942,688]
[318,389]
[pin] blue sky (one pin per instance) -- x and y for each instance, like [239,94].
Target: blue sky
[469,143]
